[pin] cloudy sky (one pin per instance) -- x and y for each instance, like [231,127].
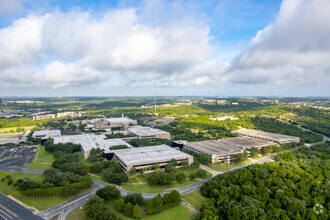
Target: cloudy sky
[213,48]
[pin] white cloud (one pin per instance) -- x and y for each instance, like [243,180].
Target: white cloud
[292,51]
[78,50]
[75,48]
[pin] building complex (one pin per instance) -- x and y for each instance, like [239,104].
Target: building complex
[148,133]
[221,150]
[144,157]
[262,135]
[46,134]
[111,123]
[90,141]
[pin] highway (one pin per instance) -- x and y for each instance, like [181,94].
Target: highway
[10,210]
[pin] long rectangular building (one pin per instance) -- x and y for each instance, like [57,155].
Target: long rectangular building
[144,157]
[90,141]
[263,135]
[221,149]
[148,133]
[46,134]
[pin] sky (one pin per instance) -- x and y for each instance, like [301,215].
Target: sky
[199,48]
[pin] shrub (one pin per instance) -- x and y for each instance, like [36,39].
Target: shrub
[180,177]
[108,193]
[134,198]
[194,165]
[201,173]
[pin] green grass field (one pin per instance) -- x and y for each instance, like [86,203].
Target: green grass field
[13,129]
[174,213]
[195,199]
[44,160]
[40,203]
[147,188]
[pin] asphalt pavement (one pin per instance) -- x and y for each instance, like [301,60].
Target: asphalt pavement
[10,210]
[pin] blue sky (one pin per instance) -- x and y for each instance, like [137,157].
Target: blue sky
[225,47]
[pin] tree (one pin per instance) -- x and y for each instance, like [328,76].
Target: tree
[201,173]
[94,207]
[194,165]
[134,198]
[204,159]
[109,215]
[254,152]
[132,171]
[128,210]
[150,206]
[136,211]
[108,193]
[120,204]
[175,197]
[180,177]
[184,163]
[169,168]
[192,176]
[158,203]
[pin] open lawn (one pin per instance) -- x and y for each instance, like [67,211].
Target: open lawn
[13,129]
[40,203]
[77,214]
[174,213]
[195,199]
[223,167]
[44,160]
[147,188]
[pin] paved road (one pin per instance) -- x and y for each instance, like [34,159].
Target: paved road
[79,200]
[71,204]
[10,210]
[22,170]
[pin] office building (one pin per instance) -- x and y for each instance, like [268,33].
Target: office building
[149,133]
[262,135]
[90,141]
[144,157]
[221,150]
[46,134]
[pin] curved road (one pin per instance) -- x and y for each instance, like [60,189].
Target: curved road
[66,207]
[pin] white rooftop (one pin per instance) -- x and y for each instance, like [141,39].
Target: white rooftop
[120,120]
[145,131]
[47,133]
[152,154]
[90,141]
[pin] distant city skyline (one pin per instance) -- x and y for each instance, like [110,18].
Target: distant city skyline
[190,48]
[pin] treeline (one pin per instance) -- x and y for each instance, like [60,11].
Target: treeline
[110,171]
[130,205]
[64,184]
[146,142]
[294,187]
[65,158]
[275,126]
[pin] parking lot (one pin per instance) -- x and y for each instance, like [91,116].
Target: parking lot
[17,156]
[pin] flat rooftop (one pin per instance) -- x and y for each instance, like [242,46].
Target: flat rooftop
[266,135]
[120,120]
[227,145]
[145,131]
[152,154]
[91,141]
[49,133]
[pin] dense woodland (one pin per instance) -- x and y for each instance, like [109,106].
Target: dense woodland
[296,186]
